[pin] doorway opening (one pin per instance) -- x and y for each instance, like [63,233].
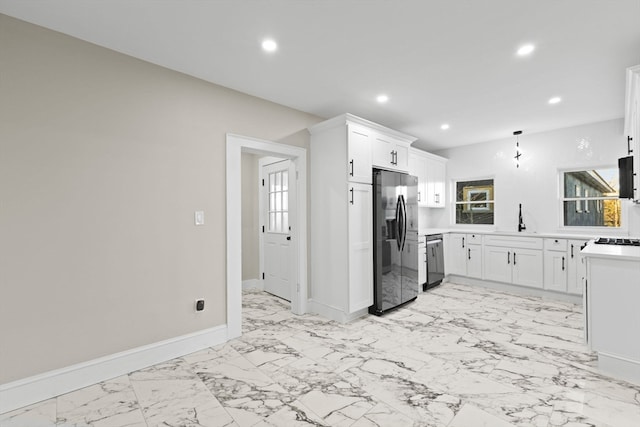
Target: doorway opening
[236,145]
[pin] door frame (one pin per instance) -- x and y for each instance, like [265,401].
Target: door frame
[236,145]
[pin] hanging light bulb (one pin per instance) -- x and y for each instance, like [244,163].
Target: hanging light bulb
[518,152]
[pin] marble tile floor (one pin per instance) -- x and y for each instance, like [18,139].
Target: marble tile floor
[459,356]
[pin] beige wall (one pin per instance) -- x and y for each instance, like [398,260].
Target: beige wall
[250,217]
[103,161]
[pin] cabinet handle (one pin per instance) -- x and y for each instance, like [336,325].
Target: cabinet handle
[392,157]
[351,163]
[463,242]
[572,251]
[437,197]
[562,263]
[351,191]
[469,253]
[508,257]
[514,258]
[418,196]
[629,150]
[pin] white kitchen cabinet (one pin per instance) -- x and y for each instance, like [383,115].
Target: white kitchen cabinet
[474,261]
[360,247]
[341,212]
[611,307]
[555,265]
[456,254]
[436,188]
[497,264]
[464,255]
[418,167]
[632,124]
[576,266]
[390,152]
[527,267]
[515,260]
[422,260]
[359,142]
[430,170]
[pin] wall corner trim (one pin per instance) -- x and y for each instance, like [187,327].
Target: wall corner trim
[37,388]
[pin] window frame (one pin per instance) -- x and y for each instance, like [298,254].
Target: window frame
[584,205]
[453,200]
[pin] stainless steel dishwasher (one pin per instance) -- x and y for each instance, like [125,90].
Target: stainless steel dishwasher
[434,260]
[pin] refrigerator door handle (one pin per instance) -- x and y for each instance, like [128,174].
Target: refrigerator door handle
[404,221]
[398,219]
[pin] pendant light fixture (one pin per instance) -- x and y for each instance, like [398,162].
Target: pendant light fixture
[518,152]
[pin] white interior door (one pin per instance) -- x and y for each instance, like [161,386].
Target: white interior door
[279,218]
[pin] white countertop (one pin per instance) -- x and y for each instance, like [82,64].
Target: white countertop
[631,253]
[427,231]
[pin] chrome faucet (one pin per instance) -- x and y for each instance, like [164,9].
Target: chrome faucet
[521,225]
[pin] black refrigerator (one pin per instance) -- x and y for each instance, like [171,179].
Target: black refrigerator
[395,232]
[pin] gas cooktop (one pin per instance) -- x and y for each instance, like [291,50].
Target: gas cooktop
[620,242]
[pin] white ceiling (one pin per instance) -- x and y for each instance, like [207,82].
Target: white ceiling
[438,61]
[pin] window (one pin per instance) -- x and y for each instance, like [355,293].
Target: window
[590,198]
[475,202]
[279,202]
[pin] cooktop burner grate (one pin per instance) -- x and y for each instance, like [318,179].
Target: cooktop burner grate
[616,241]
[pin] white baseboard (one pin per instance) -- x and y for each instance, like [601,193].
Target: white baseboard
[620,367]
[37,388]
[515,289]
[334,313]
[252,284]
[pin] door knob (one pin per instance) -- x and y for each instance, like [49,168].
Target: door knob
[288,237]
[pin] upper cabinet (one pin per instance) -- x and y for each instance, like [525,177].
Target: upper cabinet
[632,125]
[391,153]
[359,141]
[431,172]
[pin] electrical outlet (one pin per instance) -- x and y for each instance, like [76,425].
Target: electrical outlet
[199,305]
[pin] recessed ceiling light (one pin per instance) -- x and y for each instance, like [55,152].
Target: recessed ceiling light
[555,100]
[444,126]
[269,45]
[526,49]
[382,98]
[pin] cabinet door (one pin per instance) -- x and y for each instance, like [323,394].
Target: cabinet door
[418,167]
[497,263]
[422,264]
[402,156]
[527,267]
[384,149]
[435,184]
[457,254]
[390,153]
[576,271]
[555,271]
[474,261]
[359,151]
[360,242]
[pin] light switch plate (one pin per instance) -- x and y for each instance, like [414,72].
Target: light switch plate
[199,217]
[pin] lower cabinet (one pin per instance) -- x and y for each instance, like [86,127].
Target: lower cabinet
[513,265]
[515,260]
[422,260]
[527,267]
[544,263]
[555,265]
[360,240]
[576,267]
[464,255]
